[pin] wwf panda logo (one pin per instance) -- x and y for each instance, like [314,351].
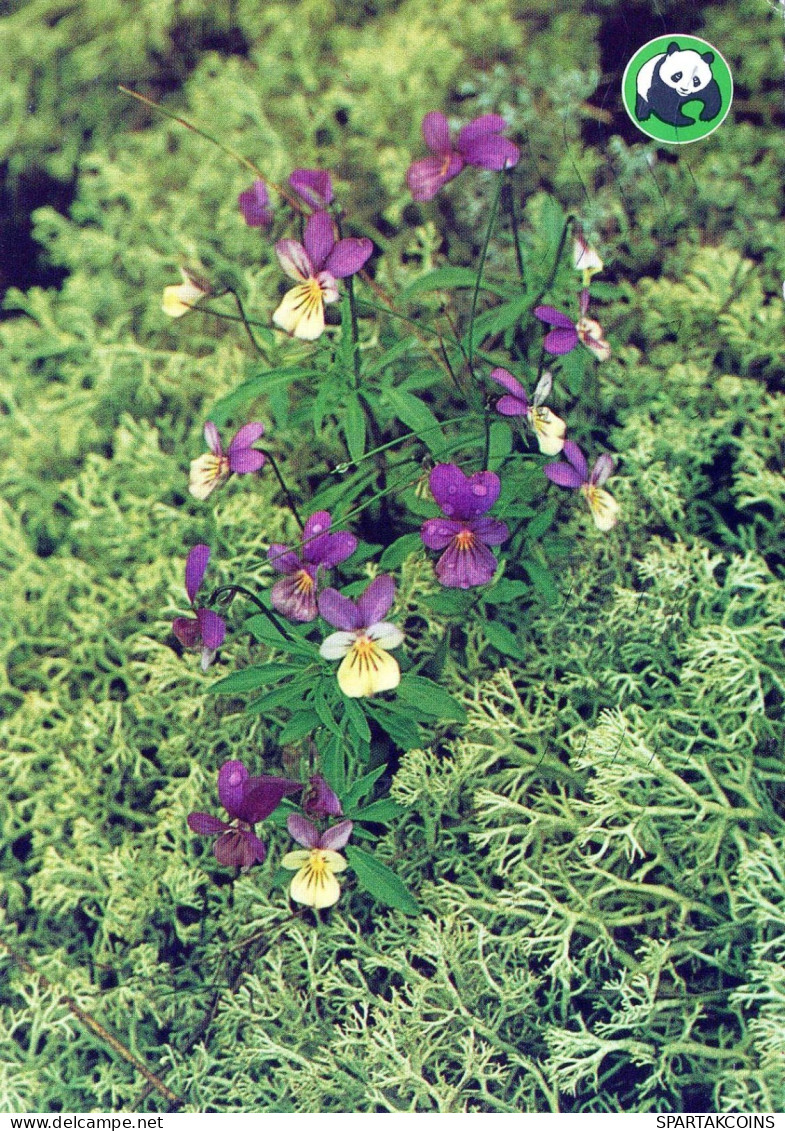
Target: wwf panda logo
[666,82]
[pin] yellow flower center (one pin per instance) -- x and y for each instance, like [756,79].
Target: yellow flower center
[466,540]
[309,296]
[304,581]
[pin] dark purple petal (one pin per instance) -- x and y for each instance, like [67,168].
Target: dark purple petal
[232,782]
[463,497]
[563,475]
[213,628]
[603,467]
[187,631]
[512,406]
[437,533]
[573,454]
[491,531]
[247,435]
[319,239]
[295,595]
[553,317]
[283,558]
[490,153]
[245,460]
[375,602]
[212,438]
[485,126]
[254,204]
[194,569]
[436,133]
[504,378]
[461,567]
[302,830]
[313,185]
[426,176]
[348,257]
[205,824]
[319,800]
[239,848]
[263,794]
[339,611]
[561,341]
[339,547]
[337,836]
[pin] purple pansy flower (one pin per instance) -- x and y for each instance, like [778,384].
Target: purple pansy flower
[247,800]
[547,426]
[317,862]
[575,475]
[254,204]
[319,800]
[316,263]
[214,467]
[206,627]
[464,534]
[567,333]
[478,143]
[295,594]
[314,186]
[365,639]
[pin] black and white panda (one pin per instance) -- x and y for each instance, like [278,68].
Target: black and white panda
[667,81]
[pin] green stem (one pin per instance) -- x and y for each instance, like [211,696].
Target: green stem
[284,488]
[276,621]
[512,211]
[344,467]
[355,333]
[483,255]
[247,325]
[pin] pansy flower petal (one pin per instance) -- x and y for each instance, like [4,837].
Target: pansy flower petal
[302,830]
[512,406]
[437,533]
[377,600]
[212,438]
[426,176]
[213,628]
[575,456]
[207,472]
[337,645]
[490,152]
[513,386]
[461,496]
[314,186]
[232,781]
[294,259]
[254,204]
[491,531]
[247,435]
[561,341]
[338,548]
[195,566]
[295,595]
[315,884]
[301,312]
[549,429]
[386,635]
[263,794]
[339,611]
[563,475]
[604,508]
[366,670]
[348,256]
[436,132]
[244,460]
[466,562]
[283,558]
[603,468]
[187,631]
[205,824]
[319,238]
[485,126]
[553,317]
[336,837]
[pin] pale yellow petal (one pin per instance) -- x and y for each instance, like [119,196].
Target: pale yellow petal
[315,884]
[296,859]
[549,429]
[207,472]
[178,300]
[334,860]
[367,669]
[301,312]
[604,508]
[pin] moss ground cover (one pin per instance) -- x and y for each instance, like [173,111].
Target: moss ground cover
[594,835]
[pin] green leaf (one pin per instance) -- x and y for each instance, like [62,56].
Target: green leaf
[446,279]
[262,382]
[416,415]
[334,764]
[362,786]
[430,698]
[500,444]
[380,881]
[503,640]
[504,591]
[264,630]
[573,369]
[541,523]
[324,711]
[383,810]
[399,550]
[402,729]
[357,720]
[543,581]
[354,426]
[281,697]
[301,723]
[249,679]
[447,604]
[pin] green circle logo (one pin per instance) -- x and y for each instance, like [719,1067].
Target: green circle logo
[677,88]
